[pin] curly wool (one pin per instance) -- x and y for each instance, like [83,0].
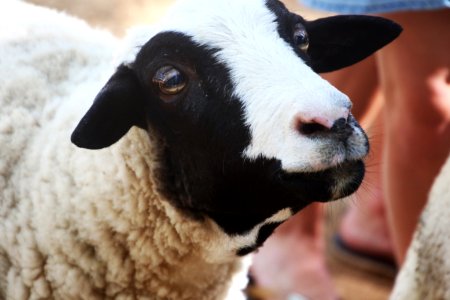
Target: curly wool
[79,224]
[426,271]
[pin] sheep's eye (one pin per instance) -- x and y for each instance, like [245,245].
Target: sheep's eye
[300,37]
[169,80]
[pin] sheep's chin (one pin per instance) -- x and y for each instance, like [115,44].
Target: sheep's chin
[327,185]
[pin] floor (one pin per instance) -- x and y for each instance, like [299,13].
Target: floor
[117,15]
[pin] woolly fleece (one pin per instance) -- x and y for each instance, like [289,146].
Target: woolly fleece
[426,272]
[80,224]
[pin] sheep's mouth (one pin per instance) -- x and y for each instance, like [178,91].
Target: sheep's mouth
[328,184]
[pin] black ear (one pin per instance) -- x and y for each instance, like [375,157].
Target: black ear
[117,108]
[340,41]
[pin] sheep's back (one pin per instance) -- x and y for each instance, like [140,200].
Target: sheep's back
[46,60]
[51,67]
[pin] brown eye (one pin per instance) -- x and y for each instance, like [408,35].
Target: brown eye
[300,37]
[169,80]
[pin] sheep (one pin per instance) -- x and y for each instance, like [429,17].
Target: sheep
[426,271]
[213,129]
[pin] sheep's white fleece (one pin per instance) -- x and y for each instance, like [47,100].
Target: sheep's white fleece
[426,272]
[80,224]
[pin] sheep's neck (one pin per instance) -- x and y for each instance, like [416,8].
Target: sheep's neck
[174,256]
[180,263]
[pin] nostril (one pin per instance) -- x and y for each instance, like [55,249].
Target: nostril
[314,125]
[319,125]
[311,128]
[339,125]
[342,129]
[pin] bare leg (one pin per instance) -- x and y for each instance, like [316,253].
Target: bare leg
[364,227]
[415,78]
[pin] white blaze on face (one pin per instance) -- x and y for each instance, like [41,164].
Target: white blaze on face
[276,87]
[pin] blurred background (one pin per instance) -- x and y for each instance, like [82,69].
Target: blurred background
[118,15]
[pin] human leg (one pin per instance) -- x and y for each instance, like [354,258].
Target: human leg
[364,227]
[415,79]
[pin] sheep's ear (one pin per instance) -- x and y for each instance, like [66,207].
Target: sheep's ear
[340,41]
[117,108]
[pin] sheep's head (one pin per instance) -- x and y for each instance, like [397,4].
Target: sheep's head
[247,128]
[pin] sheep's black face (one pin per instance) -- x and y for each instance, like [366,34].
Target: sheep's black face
[247,133]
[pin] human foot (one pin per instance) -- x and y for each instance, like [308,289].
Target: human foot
[364,228]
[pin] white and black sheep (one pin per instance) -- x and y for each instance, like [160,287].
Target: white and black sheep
[426,271]
[215,126]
